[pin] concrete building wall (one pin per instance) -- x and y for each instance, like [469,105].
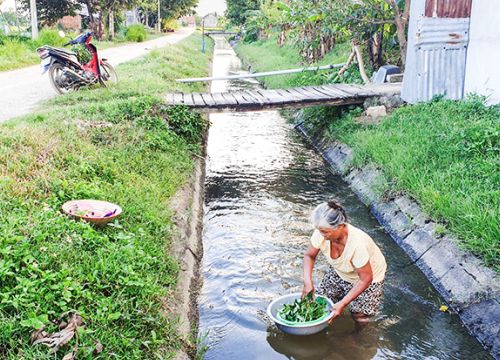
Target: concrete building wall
[71,22]
[482,75]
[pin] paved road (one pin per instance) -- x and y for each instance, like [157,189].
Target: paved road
[22,89]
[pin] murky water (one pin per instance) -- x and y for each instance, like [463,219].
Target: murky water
[262,181]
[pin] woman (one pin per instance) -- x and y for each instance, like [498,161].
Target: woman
[357,266]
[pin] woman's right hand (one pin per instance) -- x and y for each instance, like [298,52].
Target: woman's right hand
[307,289]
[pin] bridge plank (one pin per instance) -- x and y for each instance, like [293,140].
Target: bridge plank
[219,100]
[354,90]
[291,95]
[253,96]
[251,100]
[310,96]
[177,99]
[349,91]
[188,100]
[208,99]
[198,100]
[273,96]
[240,97]
[333,92]
[313,90]
[229,98]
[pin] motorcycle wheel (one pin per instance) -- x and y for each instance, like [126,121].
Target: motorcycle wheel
[56,76]
[108,74]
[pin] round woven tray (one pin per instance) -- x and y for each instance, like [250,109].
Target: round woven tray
[95,211]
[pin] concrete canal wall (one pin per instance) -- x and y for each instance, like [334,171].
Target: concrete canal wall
[470,289]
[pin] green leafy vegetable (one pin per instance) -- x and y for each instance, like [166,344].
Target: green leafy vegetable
[302,310]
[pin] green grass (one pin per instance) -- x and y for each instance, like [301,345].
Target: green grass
[444,154]
[116,144]
[15,54]
[266,55]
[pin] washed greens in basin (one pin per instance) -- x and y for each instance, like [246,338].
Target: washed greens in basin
[304,310]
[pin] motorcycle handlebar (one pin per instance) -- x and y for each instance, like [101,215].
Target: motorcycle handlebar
[80,39]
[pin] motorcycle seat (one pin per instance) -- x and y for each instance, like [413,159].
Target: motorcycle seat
[64,51]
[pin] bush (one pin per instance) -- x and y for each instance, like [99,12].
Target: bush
[136,33]
[170,25]
[49,37]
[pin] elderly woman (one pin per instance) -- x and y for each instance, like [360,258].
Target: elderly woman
[357,266]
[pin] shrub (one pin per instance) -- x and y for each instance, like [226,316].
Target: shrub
[49,37]
[169,25]
[136,33]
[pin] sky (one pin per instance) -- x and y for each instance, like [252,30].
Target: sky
[204,6]
[208,6]
[7,5]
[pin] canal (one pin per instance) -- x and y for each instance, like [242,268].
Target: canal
[262,182]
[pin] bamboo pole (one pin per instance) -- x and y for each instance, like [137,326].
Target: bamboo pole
[267,73]
[348,63]
[361,64]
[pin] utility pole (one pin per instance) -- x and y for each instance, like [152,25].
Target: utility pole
[17,17]
[159,17]
[203,34]
[34,21]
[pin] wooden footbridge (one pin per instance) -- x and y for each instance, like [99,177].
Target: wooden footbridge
[260,99]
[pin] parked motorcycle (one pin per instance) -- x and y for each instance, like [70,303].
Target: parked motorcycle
[66,73]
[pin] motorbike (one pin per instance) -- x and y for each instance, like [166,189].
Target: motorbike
[65,71]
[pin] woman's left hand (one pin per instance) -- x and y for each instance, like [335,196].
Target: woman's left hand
[337,310]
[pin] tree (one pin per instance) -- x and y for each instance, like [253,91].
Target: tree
[50,11]
[238,10]
[174,9]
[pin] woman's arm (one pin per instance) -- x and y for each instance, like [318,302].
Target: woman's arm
[309,259]
[365,279]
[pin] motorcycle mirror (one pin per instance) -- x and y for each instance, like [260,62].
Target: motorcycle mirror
[62,34]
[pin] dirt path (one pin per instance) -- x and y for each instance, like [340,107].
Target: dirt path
[22,89]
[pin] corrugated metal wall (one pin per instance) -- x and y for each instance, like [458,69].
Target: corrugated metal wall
[448,8]
[437,49]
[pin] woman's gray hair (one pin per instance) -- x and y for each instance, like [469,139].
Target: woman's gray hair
[328,214]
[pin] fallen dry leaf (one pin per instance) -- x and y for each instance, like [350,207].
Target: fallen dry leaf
[38,334]
[69,356]
[98,347]
[62,337]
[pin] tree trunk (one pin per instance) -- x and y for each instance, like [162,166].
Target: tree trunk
[111,24]
[100,29]
[91,16]
[375,49]
[401,20]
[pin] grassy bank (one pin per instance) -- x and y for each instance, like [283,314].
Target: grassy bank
[265,55]
[443,154]
[115,144]
[17,51]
